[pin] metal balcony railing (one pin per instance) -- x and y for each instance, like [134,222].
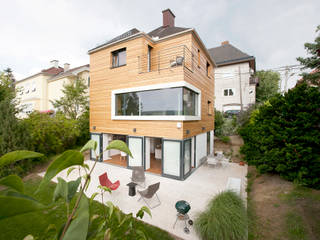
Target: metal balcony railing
[165,59]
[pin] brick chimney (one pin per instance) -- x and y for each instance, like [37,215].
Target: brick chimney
[168,18]
[224,43]
[54,63]
[66,67]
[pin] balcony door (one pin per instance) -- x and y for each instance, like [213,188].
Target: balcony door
[135,145]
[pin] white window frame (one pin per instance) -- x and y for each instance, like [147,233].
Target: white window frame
[155,117]
[34,87]
[233,90]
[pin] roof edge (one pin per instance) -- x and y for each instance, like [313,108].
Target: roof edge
[105,45]
[238,60]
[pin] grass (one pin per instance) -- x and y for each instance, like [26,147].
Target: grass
[297,207]
[225,218]
[37,223]
[253,233]
[295,227]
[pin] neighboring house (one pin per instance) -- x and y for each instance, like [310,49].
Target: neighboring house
[235,85]
[156,92]
[37,90]
[56,83]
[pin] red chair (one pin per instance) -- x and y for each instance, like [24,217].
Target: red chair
[105,181]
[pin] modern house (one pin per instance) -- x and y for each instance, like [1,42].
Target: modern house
[156,92]
[235,84]
[37,90]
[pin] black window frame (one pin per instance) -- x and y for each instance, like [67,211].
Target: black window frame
[115,58]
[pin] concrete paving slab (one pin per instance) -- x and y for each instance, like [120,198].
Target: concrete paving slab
[198,189]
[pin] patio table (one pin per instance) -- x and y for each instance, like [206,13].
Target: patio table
[132,188]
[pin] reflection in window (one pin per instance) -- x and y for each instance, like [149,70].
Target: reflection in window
[189,102]
[119,57]
[160,102]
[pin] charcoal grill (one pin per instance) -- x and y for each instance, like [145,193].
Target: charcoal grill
[183,208]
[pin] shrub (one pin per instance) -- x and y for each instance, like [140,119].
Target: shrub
[225,139]
[218,122]
[224,219]
[51,134]
[283,136]
[83,126]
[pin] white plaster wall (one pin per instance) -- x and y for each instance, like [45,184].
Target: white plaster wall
[228,77]
[201,147]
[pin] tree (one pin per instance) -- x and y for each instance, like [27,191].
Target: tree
[12,131]
[312,62]
[283,135]
[75,99]
[268,85]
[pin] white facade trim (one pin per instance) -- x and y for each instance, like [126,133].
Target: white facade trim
[154,87]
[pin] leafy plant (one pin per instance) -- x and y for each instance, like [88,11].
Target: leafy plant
[283,135]
[111,224]
[224,219]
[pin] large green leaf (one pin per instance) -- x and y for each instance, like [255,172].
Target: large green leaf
[13,181]
[119,145]
[15,156]
[66,190]
[78,228]
[16,205]
[67,159]
[91,144]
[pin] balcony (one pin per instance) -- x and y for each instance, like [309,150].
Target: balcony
[168,58]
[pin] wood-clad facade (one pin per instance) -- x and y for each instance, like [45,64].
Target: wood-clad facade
[104,79]
[151,63]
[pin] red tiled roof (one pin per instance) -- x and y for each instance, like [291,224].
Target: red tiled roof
[53,70]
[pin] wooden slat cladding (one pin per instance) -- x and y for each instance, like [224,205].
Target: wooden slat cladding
[104,79]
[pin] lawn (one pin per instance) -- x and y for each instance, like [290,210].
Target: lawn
[37,223]
[280,210]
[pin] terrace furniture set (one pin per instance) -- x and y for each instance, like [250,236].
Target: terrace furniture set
[137,178]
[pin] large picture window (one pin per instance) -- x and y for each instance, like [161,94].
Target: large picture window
[178,101]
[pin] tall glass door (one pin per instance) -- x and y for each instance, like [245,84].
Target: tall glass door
[187,156]
[135,145]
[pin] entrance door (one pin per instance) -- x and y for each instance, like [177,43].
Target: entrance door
[135,145]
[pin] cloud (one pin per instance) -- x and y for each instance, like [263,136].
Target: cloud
[34,32]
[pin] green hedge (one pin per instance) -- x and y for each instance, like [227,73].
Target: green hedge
[224,219]
[51,134]
[283,136]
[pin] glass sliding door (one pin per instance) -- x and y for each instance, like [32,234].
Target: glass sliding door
[171,161]
[186,156]
[135,145]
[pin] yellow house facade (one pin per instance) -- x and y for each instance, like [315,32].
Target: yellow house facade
[37,91]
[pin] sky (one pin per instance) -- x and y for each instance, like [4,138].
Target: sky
[34,32]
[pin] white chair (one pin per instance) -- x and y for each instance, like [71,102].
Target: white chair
[123,155]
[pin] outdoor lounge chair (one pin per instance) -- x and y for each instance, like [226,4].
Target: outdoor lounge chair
[105,181]
[149,193]
[138,176]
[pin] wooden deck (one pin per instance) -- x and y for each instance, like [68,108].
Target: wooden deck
[155,164]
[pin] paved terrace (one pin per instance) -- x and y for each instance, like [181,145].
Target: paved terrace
[198,190]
